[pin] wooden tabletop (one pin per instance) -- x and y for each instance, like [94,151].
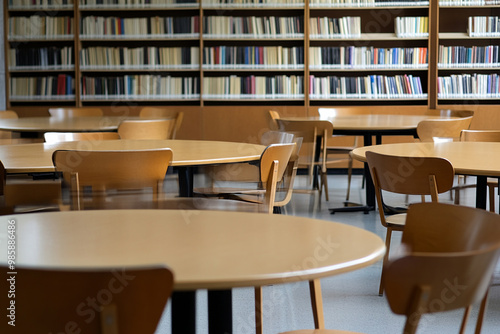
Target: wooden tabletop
[205,249]
[33,158]
[372,122]
[468,158]
[66,124]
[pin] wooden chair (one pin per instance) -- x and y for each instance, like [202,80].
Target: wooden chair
[431,130]
[76,112]
[341,150]
[9,137]
[444,247]
[449,113]
[103,171]
[102,300]
[480,136]
[164,112]
[314,133]
[147,129]
[409,176]
[57,137]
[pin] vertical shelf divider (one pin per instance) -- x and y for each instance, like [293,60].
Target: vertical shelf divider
[432,52]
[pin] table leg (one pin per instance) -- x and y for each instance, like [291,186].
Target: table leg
[220,320]
[185,174]
[481,185]
[369,188]
[184,312]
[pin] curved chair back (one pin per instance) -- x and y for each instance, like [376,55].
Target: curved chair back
[273,116]
[164,112]
[132,300]
[450,253]
[7,114]
[480,135]
[410,175]
[76,112]
[105,170]
[147,129]
[57,137]
[431,130]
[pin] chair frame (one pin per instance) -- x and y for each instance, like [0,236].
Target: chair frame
[409,176]
[162,112]
[153,129]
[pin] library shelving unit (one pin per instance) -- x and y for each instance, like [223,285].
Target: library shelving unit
[468,58]
[371,52]
[210,53]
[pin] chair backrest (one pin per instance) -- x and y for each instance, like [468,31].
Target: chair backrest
[449,255]
[76,112]
[164,112]
[57,137]
[480,135]
[431,130]
[101,301]
[105,170]
[273,116]
[147,129]
[450,113]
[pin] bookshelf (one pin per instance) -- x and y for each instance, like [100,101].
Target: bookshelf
[251,52]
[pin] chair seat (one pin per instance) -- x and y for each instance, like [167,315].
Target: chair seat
[398,220]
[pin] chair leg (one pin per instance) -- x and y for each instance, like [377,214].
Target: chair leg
[317,304]
[482,311]
[349,177]
[258,310]
[386,258]
[465,319]
[324,184]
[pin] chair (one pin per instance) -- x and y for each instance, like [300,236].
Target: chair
[492,183]
[9,137]
[325,113]
[103,171]
[57,137]
[313,133]
[431,130]
[121,300]
[446,262]
[409,176]
[164,112]
[147,129]
[76,112]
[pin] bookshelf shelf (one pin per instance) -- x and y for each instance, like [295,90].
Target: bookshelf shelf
[369,38]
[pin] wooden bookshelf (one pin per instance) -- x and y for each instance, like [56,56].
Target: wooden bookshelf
[209,54]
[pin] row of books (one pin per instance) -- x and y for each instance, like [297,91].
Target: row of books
[140,85]
[473,57]
[132,3]
[366,57]
[463,85]
[253,57]
[42,86]
[272,26]
[253,86]
[409,26]
[484,26]
[447,3]
[48,58]
[335,27]
[40,26]
[371,86]
[251,3]
[38,3]
[139,26]
[141,58]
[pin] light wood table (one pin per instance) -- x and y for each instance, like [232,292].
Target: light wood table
[206,250]
[66,124]
[37,158]
[468,158]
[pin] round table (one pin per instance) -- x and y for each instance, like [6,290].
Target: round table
[468,158]
[205,249]
[63,124]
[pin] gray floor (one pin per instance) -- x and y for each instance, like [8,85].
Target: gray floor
[351,300]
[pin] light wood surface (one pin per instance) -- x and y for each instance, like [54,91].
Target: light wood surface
[204,249]
[467,158]
[63,124]
[33,158]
